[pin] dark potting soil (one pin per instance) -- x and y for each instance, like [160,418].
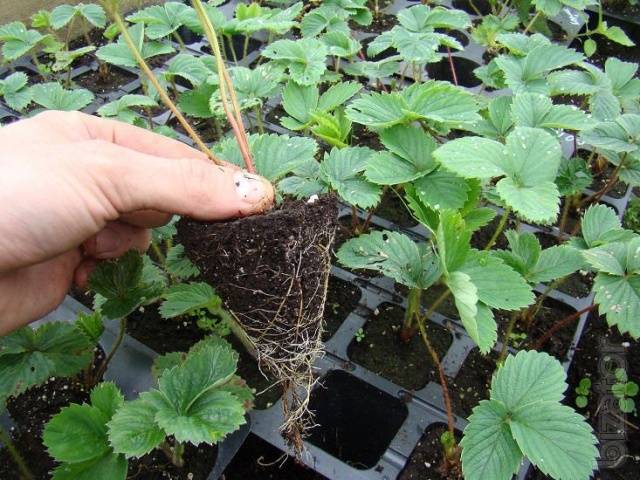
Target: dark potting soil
[108,83]
[481,237]
[32,410]
[551,312]
[275,115]
[607,48]
[381,22]
[384,353]
[600,351]
[390,52]
[578,285]
[622,8]
[392,208]
[472,383]
[342,299]
[205,128]
[259,460]
[160,60]
[178,335]
[363,137]
[345,409]
[463,68]
[198,463]
[601,179]
[482,6]
[426,459]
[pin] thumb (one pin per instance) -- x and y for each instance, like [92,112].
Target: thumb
[187,186]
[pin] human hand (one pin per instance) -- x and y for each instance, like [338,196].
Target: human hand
[76,189]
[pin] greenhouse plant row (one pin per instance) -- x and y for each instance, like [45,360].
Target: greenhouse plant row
[448,284]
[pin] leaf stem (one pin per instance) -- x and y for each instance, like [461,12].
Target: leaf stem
[533,20]
[259,120]
[452,67]
[114,349]
[507,336]
[499,229]
[164,96]
[560,325]
[232,108]
[5,439]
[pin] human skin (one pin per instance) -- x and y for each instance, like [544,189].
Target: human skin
[76,189]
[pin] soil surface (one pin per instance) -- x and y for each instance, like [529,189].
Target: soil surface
[426,459]
[114,79]
[381,351]
[381,22]
[599,352]
[199,461]
[481,237]
[392,208]
[342,299]
[463,68]
[259,460]
[472,383]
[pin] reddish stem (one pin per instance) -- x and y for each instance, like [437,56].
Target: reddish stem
[560,325]
[452,66]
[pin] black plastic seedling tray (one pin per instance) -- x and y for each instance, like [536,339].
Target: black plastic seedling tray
[377,438]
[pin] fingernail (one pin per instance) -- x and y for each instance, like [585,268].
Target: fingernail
[251,188]
[107,241]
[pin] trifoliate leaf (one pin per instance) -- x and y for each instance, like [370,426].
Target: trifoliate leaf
[54,96]
[305,58]
[537,111]
[343,170]
[184,298]
[160,20]
[620,135]
[17,40]
[274,155]
[92,13]
[573,176]
[497,121]
[118,53]
[394,255]
[28,357]
[15,91]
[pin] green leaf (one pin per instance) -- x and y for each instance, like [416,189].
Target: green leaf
[573,176]
[107,398]
[498,285]
[254,86]
[626,405]
[111,466]
[528,378]
[616,34]
[196,102]
[537,111]
[620,135]
[299,102]
[556,439]
[394,255]
[590,47]
[121,108]
[15,91]
[119,281]
[343,170]
[337,95]
[556,262]
[189,404]
[92,13]
[581,401]
[597,222]
[160,20]
[452,239]
[442,189]
[189,67]
[339,44]
[18,40]
[29,357]
[497,121]
[91,325]
[184,298]
[77,434]
[274,155]
[409,156]
[119,54]
[537,203]
[488,448]
[379,110]
[472,157]
[442,102]
[133,430]
[53,96]
[179,265]
[305,58]
[619,298]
